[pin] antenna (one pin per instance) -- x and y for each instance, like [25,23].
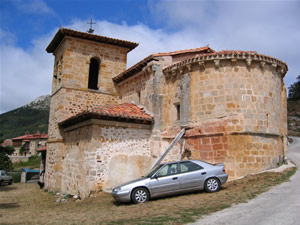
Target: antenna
[91,30]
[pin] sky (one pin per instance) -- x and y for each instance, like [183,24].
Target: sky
[269,27]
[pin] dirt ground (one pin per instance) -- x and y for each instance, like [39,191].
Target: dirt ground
[27,204]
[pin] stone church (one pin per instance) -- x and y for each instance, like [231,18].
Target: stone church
[109,124]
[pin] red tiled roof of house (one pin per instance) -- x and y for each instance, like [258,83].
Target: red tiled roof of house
[7,142]
[62,32]
[127,111]
[31,136]
[141,64]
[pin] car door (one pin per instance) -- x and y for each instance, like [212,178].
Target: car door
[191,175]
[165,180]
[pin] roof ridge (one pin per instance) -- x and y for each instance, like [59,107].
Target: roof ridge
[233,53]
[183,51]
[62,32]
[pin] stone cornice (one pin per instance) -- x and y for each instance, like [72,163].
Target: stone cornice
[248,56]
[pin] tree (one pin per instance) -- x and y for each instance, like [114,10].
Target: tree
[5,162]
[294,90]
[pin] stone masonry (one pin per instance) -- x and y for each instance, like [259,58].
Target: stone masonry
[231,103]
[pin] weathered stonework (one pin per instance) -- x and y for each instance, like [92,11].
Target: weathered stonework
[96,150]
[70,93]
[231,103]
[227,100]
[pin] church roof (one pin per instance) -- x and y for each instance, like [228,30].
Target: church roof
[62,32]
[128,112]
[227,54]
[141,64]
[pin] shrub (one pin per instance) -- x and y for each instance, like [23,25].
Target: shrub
[16,176]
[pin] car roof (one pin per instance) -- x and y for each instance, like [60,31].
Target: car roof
[190,160]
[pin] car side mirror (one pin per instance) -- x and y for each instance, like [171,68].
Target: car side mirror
[154,177]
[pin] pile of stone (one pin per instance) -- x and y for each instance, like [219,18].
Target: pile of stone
[67,197]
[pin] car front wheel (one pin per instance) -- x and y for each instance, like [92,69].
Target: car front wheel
[212,185]
[140,195]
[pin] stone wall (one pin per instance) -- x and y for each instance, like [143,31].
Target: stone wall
[103,154]
[242,153]
[218,101]
[66,103]
[234,111]
[72,61]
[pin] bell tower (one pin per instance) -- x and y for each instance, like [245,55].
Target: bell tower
[84,65]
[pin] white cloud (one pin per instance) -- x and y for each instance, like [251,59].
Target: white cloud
[150,40]
[270,29]
[25,74]
[33,6]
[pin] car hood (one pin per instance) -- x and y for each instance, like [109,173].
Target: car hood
[142,179]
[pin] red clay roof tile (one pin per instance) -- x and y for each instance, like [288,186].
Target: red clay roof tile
[62,32]
[110,112]
[31,136]
[222,52]
[141,64]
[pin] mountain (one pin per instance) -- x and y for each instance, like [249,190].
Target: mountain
[30,118]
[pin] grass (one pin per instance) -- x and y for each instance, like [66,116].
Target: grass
[19,201]
[33,162]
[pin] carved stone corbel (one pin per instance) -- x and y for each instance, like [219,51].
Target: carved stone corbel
[217,63]
[282,70]
[181,71]
[262,64]
[233,61]
[248,61]
[173,73]
[201,64]
[189,67]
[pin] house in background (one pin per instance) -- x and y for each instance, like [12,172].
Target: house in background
[27,145]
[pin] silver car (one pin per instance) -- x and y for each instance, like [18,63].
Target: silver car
[5,178]
[173,178]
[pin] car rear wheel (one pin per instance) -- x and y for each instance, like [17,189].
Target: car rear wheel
[10,182]
[1,182]
[140,195]
[212,185]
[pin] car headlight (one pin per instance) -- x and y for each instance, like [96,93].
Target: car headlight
[117,189]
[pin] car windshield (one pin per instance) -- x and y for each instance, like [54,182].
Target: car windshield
[153,171]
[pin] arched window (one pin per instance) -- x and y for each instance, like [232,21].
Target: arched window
[93,73]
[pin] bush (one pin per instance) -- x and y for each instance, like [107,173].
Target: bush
[16,176]
[5,162]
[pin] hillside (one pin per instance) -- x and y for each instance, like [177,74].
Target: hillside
[29,118]
[294,118]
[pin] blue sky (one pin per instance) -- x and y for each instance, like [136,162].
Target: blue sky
[270,27]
